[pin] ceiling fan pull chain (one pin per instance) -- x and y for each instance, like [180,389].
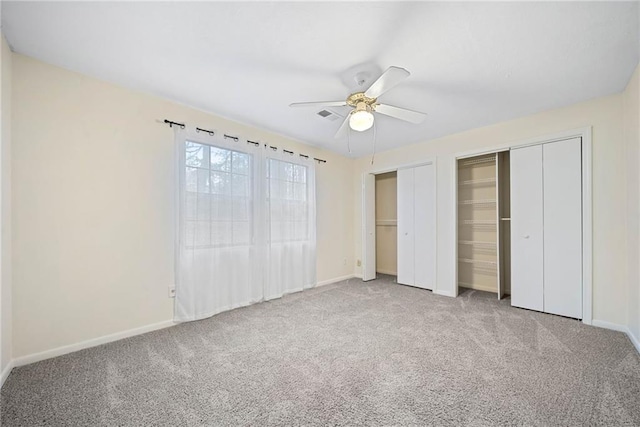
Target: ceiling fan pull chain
[349,140]
[375,134]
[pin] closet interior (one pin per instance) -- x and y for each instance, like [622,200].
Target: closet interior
[504,225]
[386,195]
[484,223]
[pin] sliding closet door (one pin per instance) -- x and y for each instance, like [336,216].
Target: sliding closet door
[406,248]
[425,226]
[527,228]
[563,228]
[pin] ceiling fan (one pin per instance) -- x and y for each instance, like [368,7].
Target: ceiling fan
[366,103]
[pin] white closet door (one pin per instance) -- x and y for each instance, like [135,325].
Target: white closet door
[563,228]
[499,268]
[425,226]
[369,227]
[406,249]
[527,228]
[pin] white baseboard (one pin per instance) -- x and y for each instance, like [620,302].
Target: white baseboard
[620,328]
[335,280]
[634,340]
[609,325]
[48,354]
[451,294]
[5,373]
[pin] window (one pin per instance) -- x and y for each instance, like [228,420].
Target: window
[218,196]
[244,213]
[288,201]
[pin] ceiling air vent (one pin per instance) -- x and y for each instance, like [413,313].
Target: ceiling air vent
[329,115]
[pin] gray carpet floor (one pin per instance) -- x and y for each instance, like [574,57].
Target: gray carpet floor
[351,353]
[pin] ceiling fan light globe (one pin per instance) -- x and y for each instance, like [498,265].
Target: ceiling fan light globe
[361,121]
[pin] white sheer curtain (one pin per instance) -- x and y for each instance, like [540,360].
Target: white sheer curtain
[291,217]
[219,255]
[245,225]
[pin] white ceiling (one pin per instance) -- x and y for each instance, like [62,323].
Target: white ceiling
[472,64]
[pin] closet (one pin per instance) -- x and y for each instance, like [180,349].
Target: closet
[478,224]
[417,226]
[546,217]
[520,226]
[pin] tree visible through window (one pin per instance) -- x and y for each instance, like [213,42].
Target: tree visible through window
[218,196]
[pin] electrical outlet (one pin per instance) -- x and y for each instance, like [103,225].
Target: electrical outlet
[359,263]
[344,262]
[172,291]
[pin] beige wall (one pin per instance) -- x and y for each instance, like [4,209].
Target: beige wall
[5,206]
[609,190]
[93,206]
[631,98]
[93,201]
[387,234]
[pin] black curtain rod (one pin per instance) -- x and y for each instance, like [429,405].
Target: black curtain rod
[174,123]
[210,132]
[235,138]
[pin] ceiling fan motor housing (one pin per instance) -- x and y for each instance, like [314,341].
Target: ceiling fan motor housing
[360,98]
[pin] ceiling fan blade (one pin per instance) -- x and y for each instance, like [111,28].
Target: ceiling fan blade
[344,127]
[386,81]
[319,104]
[400,113]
